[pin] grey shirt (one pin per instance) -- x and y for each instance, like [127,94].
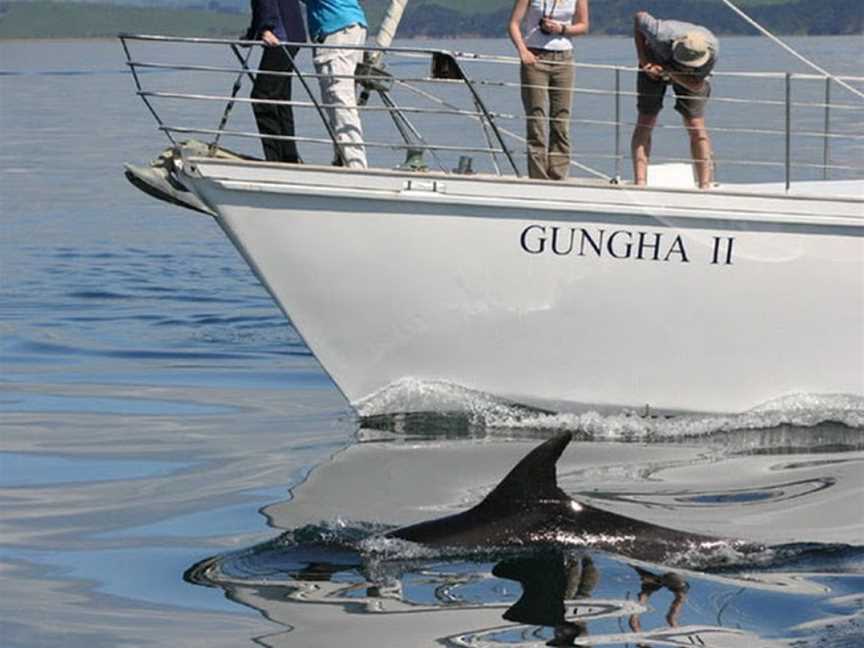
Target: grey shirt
[660,34]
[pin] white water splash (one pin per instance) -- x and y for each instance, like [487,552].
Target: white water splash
[413,395]
[798,411]
[487,411]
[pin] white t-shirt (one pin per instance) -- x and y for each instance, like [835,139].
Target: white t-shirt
[559,10]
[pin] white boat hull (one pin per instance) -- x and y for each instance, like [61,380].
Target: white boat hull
[676,300]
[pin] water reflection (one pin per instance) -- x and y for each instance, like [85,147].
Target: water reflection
[834,425]
[547,581]
[525,598]
[339,577]
[651,582]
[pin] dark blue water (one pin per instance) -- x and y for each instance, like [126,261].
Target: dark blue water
[177,470]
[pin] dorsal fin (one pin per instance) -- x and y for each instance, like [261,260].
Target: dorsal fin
[533,478]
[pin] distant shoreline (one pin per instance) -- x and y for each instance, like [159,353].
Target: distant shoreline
[53,20]
[76,39]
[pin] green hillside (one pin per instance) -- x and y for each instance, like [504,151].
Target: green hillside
[428,18]
[441,18]
[77,20]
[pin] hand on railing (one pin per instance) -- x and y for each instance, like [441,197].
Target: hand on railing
[653,70]
[269,38]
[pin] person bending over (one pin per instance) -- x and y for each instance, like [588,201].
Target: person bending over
[682,55]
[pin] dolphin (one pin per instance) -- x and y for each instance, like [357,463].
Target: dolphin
[528,507]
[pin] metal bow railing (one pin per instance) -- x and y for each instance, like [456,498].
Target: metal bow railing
[463,110]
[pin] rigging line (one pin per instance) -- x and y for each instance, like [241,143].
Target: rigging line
[509,133]
[800,57]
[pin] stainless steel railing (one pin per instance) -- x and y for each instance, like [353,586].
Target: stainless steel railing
[450,105]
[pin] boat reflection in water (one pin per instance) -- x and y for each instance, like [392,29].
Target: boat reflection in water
[528,598]
[331,577]
[462,603]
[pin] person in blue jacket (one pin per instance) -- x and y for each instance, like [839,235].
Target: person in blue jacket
[276,22]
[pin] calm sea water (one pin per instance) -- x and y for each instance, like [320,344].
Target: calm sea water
[176,469]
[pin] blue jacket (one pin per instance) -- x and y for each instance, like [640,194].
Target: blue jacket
[329,16]
[282,17]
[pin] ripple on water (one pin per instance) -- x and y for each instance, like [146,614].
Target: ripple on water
[31,401]
[25,470]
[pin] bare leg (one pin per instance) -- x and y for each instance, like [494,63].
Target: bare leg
[700,150]
[640,147]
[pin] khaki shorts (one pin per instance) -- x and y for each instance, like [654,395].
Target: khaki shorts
[690,104]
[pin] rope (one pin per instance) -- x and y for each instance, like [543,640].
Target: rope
[801,58]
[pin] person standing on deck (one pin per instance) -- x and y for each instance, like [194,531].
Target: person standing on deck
[339,23]
[683,55]
[541,31]
[274,22]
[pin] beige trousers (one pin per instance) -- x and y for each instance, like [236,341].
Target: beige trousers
[547,94]
[335,68]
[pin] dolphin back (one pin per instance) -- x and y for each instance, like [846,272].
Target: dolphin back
[518,504]
[534,478]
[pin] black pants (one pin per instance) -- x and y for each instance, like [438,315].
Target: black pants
[275,119]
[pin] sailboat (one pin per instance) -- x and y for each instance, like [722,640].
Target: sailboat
[585,294]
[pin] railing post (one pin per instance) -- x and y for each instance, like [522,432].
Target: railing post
[449,67]
[826,152]
[788,130]
[146,101]
[337,144]
[214,145]
[617,122]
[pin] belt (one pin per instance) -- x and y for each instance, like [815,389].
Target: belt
[320,38]
[547,52]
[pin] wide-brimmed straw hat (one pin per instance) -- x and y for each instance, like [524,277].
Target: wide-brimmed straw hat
[691,50]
